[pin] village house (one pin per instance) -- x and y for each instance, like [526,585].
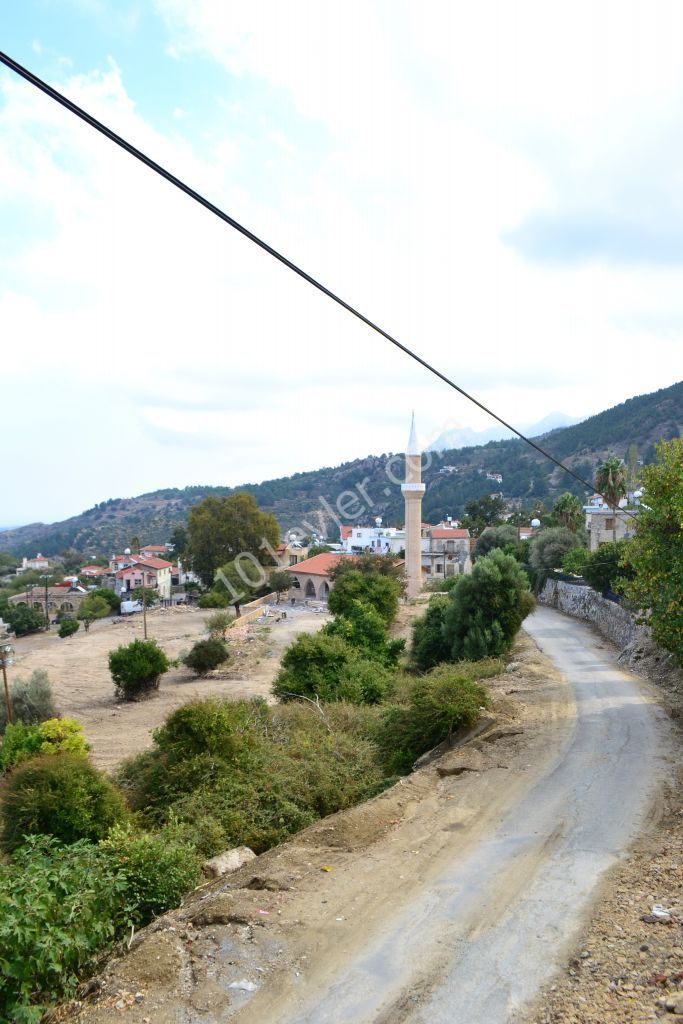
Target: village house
[445,552]
[94,572]
[152,573]
[40,563]
[604,523]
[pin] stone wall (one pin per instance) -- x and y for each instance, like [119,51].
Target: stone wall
[583,602]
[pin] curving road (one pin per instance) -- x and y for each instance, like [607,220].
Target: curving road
[479,943]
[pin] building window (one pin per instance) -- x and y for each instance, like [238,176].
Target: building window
[439,567]
[609,524]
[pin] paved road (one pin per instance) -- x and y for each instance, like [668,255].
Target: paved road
[498,923]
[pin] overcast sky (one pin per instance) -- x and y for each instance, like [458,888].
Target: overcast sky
[499,184]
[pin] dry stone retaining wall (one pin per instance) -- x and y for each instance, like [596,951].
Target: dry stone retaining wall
[583,602]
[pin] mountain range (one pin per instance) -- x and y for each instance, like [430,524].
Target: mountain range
[465,437]
[313,499]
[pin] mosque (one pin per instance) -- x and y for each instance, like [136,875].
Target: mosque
[431,552]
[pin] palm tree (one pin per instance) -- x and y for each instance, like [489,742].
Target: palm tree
[568,511]
[610,482]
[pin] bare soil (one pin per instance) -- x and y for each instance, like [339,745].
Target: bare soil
[79,672]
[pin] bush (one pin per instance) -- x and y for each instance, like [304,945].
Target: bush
[206,655]
[574,562]
[61,795]
[31,699]
[67,627]
[23,620]
[158,869]
[328,668]
[219,623]
[440,703]
[487,608]
[604,569]
[212,599]
[56,734]
[93,607]
[365,629]
[379,591]
[549,547]
[59,907]
[137,668]
[429,641]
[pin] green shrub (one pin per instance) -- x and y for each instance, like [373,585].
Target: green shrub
[18,743]
[574,561]
[212,599]
[486,608]
[23,619]
[67,627]
[328,668]
[429,641]
[440,703]
[379,591]
[206,655]
[136,668]
[365,629]
[59,908]
[158,869]
[57,734]
[219,623]
[31,699]
[215,727]
[109,596]
[605,568]
[60,795]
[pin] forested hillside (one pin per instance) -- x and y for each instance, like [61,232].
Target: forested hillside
[309,497]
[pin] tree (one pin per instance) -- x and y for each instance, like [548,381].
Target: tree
[429,642]
[494,537]
[178,541]
[486,608]
[373,588]
[212,599]
[241,580]
[136,668]
[568,511]
[318,549]
[605,568]
[145,595]
[22,619]
[549,547]
[610,481]
[656,552]
[92,607]
[71,560]
[574,562]
[109,596]
[371,565]
[206,655]
[220,529]
[632,467]
[487,511]
[279,581]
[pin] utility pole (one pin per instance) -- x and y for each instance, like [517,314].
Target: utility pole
[5,651]
[144,609]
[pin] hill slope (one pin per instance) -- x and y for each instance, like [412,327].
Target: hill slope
[311,498]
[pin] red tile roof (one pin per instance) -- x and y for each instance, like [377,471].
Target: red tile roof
[319,565]
[153,563]
[345,532]
[153,547]
[447,534]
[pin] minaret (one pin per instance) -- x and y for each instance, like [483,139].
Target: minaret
[413,489]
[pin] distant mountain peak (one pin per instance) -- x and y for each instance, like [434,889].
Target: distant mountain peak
[465,437]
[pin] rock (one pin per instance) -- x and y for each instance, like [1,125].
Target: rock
[229,860]
[678,1006]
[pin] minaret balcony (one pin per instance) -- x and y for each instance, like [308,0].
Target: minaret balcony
[413,488]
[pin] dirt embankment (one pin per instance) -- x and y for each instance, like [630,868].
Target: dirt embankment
[79,672]
[252,945]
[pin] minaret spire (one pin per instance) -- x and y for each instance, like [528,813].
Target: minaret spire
[413,489]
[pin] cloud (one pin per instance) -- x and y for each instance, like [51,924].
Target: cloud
[398,157]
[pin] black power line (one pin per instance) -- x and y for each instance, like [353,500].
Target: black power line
[64,101]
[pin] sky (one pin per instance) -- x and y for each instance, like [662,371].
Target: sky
[499,185]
